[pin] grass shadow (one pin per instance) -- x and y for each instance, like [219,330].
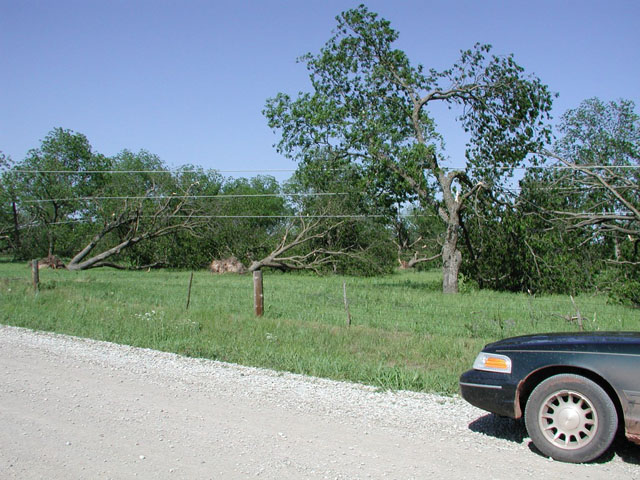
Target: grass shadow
[515,431]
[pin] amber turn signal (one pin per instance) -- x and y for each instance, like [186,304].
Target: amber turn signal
[492,362]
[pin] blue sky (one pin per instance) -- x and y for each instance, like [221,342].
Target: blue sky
[187,80]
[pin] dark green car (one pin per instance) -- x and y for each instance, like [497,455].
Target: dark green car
[574,389]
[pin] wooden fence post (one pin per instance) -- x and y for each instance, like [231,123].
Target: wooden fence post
[258,296]
[189,292]
[35,275]
[346,303]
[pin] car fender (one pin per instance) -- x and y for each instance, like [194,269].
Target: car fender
[538,375]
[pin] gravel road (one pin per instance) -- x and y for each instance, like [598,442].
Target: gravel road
[74,408]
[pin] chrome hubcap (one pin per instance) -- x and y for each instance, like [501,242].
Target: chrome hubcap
[568,420]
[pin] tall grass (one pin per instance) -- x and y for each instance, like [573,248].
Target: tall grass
[405,333]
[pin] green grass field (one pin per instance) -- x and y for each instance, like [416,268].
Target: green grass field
[405,334]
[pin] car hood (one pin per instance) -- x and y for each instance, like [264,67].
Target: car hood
[619,342]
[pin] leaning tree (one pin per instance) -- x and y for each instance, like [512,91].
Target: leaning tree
[369,105]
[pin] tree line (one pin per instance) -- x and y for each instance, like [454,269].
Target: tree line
[372,190]
[133,211]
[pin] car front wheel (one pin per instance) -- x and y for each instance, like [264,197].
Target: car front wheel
[571,418]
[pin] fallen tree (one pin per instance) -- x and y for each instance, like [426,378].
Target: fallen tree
[290,252]
[135,224]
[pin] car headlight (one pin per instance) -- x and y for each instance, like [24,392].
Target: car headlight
[491,362]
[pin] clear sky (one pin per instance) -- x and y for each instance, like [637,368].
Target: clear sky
[187,80]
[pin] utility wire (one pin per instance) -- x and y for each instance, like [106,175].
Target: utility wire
[344,216]
[355,217]
[170,171]
[363,216]
[165,197]
[577,189]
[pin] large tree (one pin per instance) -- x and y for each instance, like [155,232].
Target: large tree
[52,183]
[369,105]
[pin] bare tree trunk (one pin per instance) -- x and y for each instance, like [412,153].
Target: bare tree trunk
[76,263]
[131,217]
[451,256]
[449,213]
[50,234]
[451,260]
[99,260]
[50,237]
[616,248]
[16,227]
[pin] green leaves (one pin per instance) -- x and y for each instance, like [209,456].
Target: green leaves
[368,99]
[355,100]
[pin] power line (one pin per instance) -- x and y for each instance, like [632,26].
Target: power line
[166,197]
[271,217]
[280,195]
[577,189]
[363,216]
[561,167]
[284,217]
[178,170]
[169,171]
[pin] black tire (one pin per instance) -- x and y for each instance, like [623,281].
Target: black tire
[571,418]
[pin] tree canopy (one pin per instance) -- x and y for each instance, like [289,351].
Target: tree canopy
[369,105]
